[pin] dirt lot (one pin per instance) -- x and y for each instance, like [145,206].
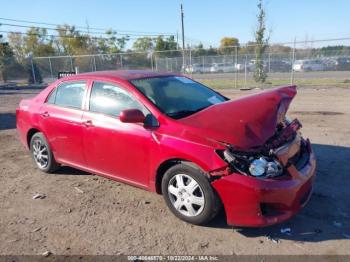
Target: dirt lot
[106,217]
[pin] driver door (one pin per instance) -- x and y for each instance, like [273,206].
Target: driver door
[113,148]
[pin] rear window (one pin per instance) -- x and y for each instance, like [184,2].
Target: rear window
[68,94]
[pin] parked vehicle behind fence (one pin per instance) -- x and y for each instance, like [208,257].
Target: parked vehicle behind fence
[197,68]
[222,68]
[278,66]
[342,63]
[308,65]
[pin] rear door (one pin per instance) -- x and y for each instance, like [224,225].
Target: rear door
[61,117]
[113,148]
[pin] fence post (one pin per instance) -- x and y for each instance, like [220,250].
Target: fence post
[51,69]
[293,60]
[202,64]
[155,62]
[121,61]
[152,61]
[235,66]
[33,70]
[71,64]
[191,66]
[95,68]
[245,71]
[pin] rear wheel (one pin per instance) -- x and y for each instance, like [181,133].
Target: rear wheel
[42,153]
[189,195]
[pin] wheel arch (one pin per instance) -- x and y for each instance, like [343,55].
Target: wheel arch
[164,166]
[30,134]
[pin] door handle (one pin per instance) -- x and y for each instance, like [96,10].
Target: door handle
[87,123]
[45,114]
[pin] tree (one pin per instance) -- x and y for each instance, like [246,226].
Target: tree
[34,43]
[70,41]
[143,44]
[160,44]
[6,57]
[167,44]
[227,45]
[212,51]
[248,48]
[17,45]
[277,48]
[261,45]
[199,50]
[171,43]
[37,43]
[111,44]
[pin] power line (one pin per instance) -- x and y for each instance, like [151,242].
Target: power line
[80,31]
[84,27]
[57,36]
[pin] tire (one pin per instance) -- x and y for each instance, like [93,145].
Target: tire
[202,198]
[42,154]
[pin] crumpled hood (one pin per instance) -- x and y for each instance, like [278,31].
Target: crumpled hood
[245,122]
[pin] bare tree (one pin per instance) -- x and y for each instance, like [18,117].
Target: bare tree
[261,44]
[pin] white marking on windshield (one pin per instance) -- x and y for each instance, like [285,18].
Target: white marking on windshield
[214,100]
[184,80]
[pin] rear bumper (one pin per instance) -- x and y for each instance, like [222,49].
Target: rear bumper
[21,127]
[253,202]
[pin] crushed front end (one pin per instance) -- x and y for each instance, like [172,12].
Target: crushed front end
[268,184]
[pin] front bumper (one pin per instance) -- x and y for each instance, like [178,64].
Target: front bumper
[254,202]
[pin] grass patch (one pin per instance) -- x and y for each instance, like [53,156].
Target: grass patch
[219,83]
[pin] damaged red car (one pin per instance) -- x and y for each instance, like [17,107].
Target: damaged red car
[172,135]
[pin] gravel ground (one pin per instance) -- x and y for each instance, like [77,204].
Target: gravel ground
[86,214]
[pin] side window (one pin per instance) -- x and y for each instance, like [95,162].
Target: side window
[70,94]
[111,100]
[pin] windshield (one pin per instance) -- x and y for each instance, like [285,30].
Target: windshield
[177,97]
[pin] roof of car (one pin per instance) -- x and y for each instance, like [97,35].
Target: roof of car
[126,74]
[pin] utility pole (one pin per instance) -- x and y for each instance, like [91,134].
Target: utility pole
[183,38]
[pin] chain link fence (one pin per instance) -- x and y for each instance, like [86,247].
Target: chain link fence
[307,63]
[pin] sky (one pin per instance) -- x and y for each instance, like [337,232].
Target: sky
[205,21]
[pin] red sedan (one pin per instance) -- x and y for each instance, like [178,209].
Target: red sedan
[167,133]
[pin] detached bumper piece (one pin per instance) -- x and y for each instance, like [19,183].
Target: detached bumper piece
[253,202]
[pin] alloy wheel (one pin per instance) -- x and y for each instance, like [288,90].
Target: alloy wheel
[40,153]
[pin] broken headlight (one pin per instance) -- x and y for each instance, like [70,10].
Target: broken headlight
[262,167]
[287,120]
[253,164]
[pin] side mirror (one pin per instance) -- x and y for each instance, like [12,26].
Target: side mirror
[132,116]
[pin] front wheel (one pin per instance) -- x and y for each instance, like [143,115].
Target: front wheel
[42,154]
[189,195]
